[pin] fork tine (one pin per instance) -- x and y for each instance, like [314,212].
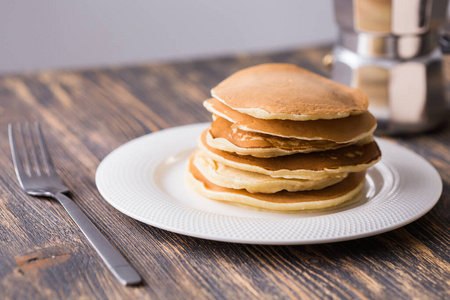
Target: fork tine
[44,150]
[25,155]
[17,160]
[34,159]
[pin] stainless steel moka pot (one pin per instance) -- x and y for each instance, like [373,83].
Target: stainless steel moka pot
[390,50]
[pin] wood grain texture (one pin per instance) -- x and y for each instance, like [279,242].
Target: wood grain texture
[86,114]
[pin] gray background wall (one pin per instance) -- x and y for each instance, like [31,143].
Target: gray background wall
[47,34]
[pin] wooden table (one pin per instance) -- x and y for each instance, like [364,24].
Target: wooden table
[87,114]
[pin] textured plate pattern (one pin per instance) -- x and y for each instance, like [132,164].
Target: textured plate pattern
[145,179]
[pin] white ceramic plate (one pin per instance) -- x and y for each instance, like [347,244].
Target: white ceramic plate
[145,179]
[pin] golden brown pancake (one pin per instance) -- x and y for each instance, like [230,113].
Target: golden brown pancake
[347,189]
[314,165]
[229,177]
[223,136]
[343,130]
[287,92]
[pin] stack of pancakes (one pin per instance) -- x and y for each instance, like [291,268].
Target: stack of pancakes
[285,139]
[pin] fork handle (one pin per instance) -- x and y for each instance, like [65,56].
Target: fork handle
[113,259]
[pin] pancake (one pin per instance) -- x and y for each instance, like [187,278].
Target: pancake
[346,190]
[287,92]
[343,130]
[223,136]
[314,165]
[225,176]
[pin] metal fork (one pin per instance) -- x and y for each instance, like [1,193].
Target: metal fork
[38,177]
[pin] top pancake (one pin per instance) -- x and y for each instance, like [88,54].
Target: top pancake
[287,92]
